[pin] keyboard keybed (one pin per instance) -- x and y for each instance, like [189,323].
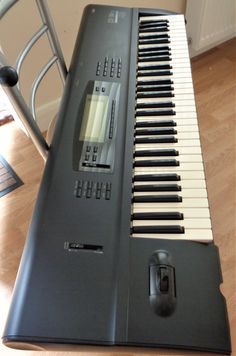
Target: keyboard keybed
[169,190]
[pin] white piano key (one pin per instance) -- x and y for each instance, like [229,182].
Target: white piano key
[184,166]
[185,184]
[176,60]
[176,77]
[187,128]
[173,46]
[186,223]
[189,213]
[185,99]
[178,102]
[187,135]
[174,30]
[176,80]
[201,235]
[180,115]
[175,64]
[146,19]
[177,19]
[185,193]
[186,203]
[145,80]
[185,175]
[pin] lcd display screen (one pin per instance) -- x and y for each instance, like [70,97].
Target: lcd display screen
[94,121]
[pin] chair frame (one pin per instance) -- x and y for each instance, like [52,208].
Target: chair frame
[27,113]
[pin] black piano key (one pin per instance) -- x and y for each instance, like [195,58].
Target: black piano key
[153,23]
[170,215]
[155,123]
[155,67]
[154,54]
[156,153]
[160,131]
[155,94]
[157,198]
[159,112]
[147,36]
[155,82]
[144,88]
[156,177]
[157,188]
[164,104]
[154,29]
[162,139]
[155,59]
[148,25]
[158,229]
[154,41]
[154,48]
[151,73]
[156,163]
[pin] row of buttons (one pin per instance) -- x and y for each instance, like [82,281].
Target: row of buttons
[105,66]
[90,148]
[119,68]
[89,189]
[112,119]
[97,89]
[113,70]
[87,157]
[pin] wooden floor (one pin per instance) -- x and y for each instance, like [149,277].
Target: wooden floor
[214,76]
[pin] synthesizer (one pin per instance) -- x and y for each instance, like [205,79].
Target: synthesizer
[120,249]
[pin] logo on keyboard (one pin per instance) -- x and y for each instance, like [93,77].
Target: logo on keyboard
[113,16]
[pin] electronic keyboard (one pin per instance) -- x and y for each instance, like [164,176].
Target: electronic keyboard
[120,248]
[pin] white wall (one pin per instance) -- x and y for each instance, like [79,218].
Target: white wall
[23,19]
[209,23]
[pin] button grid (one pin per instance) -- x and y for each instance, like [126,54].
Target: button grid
[89,189]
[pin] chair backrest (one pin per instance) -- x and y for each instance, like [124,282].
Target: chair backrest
[9,76]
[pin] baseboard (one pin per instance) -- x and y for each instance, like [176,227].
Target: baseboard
[194,53]
[46,113]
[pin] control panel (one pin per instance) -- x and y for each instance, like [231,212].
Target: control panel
[94,140]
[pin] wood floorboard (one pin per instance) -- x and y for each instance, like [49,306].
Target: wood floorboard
[214,76]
